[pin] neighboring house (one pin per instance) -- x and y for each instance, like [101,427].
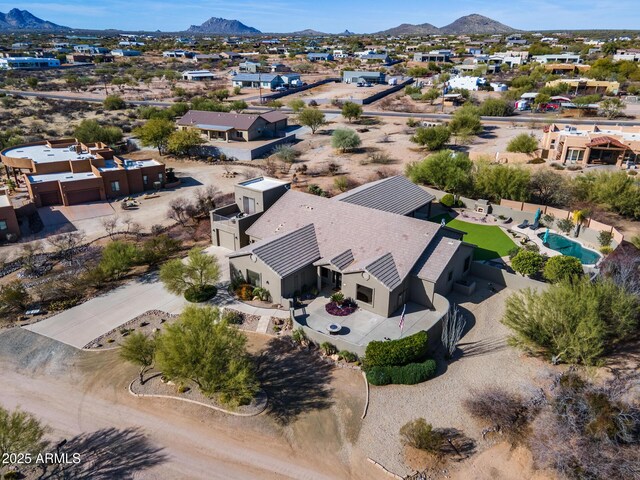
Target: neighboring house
[592,144]
[437,56]
[376,57]
[630,54]
[362,76]
[198,75]
[279,68]
[257,80]
[178,54]
[239,127]
[28,63]
[566,68]
[587,86]
[125,53]
[249,67]
[557,58]
[89,58]
[67,172]
[9,226]
[291,78]
[320,57]
[361,244]
[201,57]
[230,55]
[466,83]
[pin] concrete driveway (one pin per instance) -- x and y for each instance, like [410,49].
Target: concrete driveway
[84,323]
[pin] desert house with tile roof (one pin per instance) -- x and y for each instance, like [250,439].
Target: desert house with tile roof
[373,243]
[591,144]
[235,127]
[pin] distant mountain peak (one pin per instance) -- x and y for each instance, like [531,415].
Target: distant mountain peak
[469,24]
[17,19]
[476,24]
[223,26]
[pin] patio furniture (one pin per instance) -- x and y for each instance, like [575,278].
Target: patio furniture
[524,224]
[334,328]
[535,225]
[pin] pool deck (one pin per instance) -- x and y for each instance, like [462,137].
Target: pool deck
[533,236]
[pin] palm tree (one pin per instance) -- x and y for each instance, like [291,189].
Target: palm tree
[579,216]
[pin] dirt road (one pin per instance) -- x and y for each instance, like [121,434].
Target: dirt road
[184,441]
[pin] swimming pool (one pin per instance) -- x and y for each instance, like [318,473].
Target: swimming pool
[562,244]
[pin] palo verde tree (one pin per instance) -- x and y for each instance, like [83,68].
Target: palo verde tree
[155,133]
[20,432]
[445,170]
[203,348]
[345,139]
[351,111]
[434,138]
[140,350]
[312,118]
[182,142]
[195,278]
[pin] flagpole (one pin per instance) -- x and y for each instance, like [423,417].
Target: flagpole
[401,324]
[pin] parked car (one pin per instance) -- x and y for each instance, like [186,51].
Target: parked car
[360,84]
[281,88]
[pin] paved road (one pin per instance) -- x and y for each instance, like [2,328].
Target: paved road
[84,323]
[518,118]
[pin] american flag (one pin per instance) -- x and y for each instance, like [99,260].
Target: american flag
[401,324]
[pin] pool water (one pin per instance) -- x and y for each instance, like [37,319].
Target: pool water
[568,247]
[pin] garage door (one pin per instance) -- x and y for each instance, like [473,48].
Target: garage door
[83,196]
[50,198]
[226,240]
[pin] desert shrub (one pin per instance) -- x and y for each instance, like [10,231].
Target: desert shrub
[232,317]
[523,143]
[562,267]
[114,102]
[337,297]
[606,250]
[421,435]
[316,190]
[495,107]
[434,138]
[574,322]
[448,200]
[605,238]
[328,348]
[262,294]
[502,411]
[527,262]
[409,374]
[245,291]
[299,337]
[345,139]
[397,352]
[200,294]
[347,356]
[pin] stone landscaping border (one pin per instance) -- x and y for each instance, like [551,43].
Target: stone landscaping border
[261,406]
[127,324]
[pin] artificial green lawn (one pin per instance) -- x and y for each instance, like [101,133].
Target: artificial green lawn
[491,241]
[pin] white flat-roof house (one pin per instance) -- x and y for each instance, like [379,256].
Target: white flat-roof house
[25,63]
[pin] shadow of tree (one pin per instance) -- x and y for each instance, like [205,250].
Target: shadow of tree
[481,347]
[457,445]
[107,454]
[295,379]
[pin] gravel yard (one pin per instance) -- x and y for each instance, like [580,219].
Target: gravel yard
[485,359]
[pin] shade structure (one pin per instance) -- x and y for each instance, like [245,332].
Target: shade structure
[537,216]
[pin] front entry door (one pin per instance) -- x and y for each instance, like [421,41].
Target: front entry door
[337,280]
[248,205]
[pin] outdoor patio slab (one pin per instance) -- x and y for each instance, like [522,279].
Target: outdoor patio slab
[362,326]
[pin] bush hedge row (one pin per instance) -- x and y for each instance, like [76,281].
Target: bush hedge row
[402,375]
[397,352]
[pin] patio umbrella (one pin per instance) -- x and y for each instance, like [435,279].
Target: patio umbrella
[545,240]
[537,216]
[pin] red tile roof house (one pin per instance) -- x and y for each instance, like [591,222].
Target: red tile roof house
[67,172]
[371,243]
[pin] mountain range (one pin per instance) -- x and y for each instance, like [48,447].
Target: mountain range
[473,24]
[223,26]
[18,19]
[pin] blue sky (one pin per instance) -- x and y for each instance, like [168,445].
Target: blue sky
[329,15]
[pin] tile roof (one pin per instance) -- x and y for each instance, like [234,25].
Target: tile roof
[435,258]
[384,269]
[287,253]
[239,121]
[343,260]
[340,226]
[394,194]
